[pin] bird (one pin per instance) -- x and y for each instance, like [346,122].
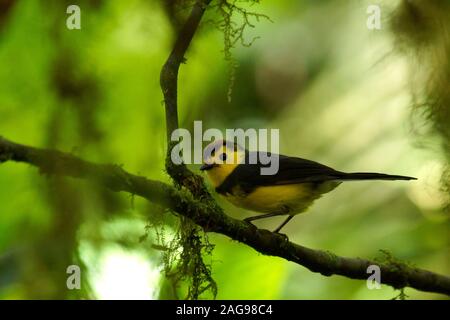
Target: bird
[290,191]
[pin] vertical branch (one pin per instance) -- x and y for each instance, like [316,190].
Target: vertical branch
[169,86]
[169,72]
[191,265]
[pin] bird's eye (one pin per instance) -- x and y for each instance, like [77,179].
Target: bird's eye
[223,157]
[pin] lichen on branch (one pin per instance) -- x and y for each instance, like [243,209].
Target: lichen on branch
[211,218]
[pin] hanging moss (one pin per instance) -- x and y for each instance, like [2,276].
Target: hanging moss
[183,257]
[234,32]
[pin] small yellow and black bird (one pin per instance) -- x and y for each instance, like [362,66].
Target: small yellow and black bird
[290,191]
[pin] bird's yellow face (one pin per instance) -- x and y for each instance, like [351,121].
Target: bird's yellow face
[220,159]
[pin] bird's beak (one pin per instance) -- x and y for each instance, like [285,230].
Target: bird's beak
[207,166]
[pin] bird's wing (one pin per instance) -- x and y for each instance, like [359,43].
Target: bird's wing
[291,171]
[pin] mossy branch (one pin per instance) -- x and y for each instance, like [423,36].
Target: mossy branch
[212,219]
[169,86]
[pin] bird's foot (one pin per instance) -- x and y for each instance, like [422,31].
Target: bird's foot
[249,221]
[284,236]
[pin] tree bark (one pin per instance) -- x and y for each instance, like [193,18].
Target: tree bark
[212,218]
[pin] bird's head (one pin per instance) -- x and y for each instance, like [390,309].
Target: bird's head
[220,158]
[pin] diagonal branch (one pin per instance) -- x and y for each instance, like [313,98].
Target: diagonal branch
[213,219]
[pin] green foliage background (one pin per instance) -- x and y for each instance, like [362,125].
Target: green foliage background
[339,93]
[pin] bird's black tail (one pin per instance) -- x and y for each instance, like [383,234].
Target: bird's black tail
[373,176]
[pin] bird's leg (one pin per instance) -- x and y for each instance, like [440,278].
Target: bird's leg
[277,230]
[262,216]
[280,212]
[283,210]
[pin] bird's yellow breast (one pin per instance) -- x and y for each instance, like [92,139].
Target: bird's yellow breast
[296,197]
[217,175]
